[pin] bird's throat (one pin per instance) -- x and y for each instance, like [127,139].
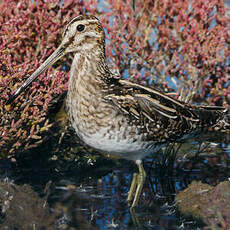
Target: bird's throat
[85,94]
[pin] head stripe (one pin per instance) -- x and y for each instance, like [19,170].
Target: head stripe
[84,18]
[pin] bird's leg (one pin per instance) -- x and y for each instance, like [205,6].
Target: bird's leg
[140,183]
[132,187]
[137,185]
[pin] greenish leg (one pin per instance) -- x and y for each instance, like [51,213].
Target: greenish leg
[137,185]
[140,183]
[132,187]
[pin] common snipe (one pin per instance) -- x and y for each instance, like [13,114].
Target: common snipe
[117,116]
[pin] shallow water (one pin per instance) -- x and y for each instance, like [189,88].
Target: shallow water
[96,192]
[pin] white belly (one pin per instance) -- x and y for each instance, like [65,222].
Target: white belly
[115,144]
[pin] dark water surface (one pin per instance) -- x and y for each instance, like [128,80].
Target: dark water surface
[92,192]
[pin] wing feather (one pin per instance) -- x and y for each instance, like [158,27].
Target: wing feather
[154,106]
[140,101]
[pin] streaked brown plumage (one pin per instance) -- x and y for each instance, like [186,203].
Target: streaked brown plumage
[117,116]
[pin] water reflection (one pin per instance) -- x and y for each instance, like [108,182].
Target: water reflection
[94,197]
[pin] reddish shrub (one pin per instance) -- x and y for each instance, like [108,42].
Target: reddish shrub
[183,42]
[176,44]
[29,32]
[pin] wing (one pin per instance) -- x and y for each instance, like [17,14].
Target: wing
[144,105]
[134,99]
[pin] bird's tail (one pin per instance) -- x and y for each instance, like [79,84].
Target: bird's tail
[227,120]
[224,123]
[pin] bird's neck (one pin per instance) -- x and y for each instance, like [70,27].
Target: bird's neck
[87,85]
[89,70]
[89,76]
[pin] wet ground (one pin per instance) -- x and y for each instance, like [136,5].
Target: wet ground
[68,186]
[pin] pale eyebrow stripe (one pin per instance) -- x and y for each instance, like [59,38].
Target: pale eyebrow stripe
[85,21]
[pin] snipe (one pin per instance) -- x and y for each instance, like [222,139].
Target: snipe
[117,116]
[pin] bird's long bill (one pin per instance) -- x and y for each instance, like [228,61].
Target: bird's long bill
[56,55]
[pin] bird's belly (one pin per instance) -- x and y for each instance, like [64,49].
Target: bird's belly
[121,144]
[107,131]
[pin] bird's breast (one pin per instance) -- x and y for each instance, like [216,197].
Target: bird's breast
[98,123]
[102,127]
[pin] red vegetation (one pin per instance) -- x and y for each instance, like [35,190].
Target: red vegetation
[29,33]
[190,44]
[177,44]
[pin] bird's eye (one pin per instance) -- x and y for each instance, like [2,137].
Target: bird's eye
[80,27]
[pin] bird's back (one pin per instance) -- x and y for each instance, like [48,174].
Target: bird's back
[160,116]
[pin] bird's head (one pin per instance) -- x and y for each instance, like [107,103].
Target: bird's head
[83,34]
